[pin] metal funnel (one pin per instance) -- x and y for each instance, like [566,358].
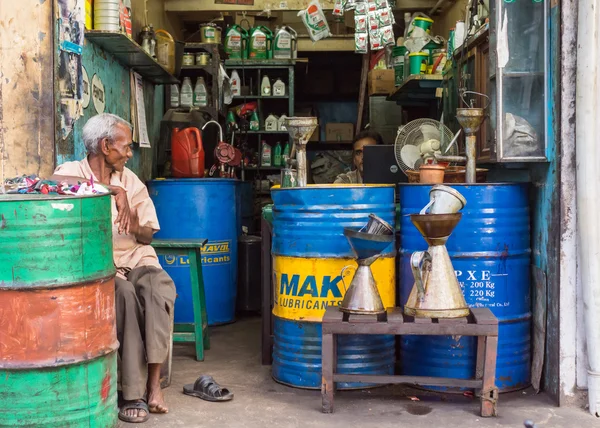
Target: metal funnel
[367,245]
[301,129]
[362,296]
[470,119]
[435,228]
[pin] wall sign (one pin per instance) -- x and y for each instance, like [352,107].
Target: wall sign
[98,94]
[86,89]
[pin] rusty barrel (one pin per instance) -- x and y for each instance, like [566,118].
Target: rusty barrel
[58,342]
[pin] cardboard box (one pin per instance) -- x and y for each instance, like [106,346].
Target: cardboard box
[339,132]
[381,82]
[316,136]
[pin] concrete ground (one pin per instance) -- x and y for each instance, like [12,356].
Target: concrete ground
[234,362]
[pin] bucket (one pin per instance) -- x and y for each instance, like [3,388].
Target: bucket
[398,54]
[206,208]
[57,305]
[309,252]
[491,256]
[420,26]
[429,48]
[210,33]
[418,62]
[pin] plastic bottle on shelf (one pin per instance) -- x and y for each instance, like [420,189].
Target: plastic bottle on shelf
[265,86]
[265,158]
[236,84]
[174,95]
[286,153]
[200,93]
[278,88]
[277,154]
[186,94]
[271,123]
[254,122]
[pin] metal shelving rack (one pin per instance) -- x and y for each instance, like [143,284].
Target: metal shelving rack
[215,109]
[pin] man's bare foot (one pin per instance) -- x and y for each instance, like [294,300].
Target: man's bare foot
[134,411]
[156,400]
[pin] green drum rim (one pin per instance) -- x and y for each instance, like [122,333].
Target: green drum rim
[54,241]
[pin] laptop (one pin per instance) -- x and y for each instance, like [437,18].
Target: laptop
[380,167]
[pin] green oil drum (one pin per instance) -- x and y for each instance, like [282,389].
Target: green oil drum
[58,363]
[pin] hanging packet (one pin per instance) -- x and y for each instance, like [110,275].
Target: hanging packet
[315,22]
[338,8]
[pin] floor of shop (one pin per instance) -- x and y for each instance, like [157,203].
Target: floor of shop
[234,362]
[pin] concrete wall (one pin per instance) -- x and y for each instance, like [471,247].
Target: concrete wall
[118,96]
[26,88]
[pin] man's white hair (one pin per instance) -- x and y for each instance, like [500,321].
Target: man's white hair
[99,127]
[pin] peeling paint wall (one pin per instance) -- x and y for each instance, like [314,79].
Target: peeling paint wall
[26,88]
[115,78]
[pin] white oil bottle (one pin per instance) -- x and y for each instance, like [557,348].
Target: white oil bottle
[174,95]
[271,123]
[278,88]
[200,93]
[236,85]
[187,94]
[265,87]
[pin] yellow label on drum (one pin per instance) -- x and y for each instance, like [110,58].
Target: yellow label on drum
[304,287]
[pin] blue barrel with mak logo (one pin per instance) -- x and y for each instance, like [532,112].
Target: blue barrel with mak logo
[491,255]
[201,208]
[309,252]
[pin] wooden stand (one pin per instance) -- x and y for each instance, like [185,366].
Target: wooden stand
[481,323]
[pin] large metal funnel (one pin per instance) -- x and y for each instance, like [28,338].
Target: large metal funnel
[301,129]
[470,119]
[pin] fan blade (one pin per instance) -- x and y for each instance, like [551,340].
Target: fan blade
[430,132]
[410,155]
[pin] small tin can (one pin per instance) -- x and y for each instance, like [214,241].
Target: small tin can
[203,58]
[188,58]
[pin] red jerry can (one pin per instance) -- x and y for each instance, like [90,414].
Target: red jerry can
[187,154]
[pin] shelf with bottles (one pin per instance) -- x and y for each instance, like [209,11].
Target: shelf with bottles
[191,95]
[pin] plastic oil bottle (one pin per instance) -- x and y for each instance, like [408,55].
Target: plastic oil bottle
[200,93]
[236,85]
[265,86]
[278,88]
[174,95]
[187,93]
[286,153]
[277,154]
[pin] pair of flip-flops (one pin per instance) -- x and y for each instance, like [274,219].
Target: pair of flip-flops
[207,389]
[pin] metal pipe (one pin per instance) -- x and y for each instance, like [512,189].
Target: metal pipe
[302,165]
[471,165]
[457,159]
[588,177]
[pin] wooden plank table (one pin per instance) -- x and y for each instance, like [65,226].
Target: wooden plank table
[480,322]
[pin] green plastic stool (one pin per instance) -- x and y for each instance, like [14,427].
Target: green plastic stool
[196,332]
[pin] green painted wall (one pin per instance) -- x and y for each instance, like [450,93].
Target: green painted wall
[115,78]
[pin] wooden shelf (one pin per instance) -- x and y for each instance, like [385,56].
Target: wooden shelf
[207,68]
[417,90]
[208,47]
[259,63]
[261,97]
[131,55]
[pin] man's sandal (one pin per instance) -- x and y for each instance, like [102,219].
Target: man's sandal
[131,405]
[206,388]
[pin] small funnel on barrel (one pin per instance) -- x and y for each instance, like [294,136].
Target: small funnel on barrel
[301,129]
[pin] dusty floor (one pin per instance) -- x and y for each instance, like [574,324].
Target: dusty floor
[234,361]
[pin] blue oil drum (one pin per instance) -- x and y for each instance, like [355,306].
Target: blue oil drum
[491,255]
[309,252]
[201,208]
